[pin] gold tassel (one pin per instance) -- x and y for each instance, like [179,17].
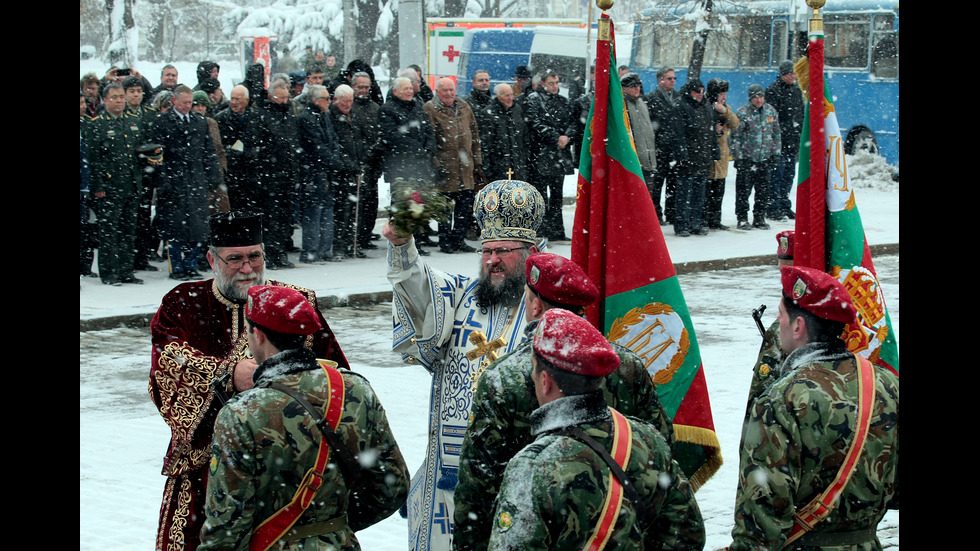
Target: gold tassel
[802,70]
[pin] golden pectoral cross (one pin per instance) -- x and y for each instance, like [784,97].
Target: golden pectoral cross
[483,348]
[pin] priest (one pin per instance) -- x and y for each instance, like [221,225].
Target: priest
[454,326]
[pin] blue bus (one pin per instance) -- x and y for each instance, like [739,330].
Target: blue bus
[749,38]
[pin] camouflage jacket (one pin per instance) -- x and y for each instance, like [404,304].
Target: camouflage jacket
[265,442]
[757,136]
[766,369]
[793,444]
[501,425]
[553,491]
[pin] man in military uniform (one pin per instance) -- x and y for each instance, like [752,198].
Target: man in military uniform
[116,184]
[268,449]
[823,438]
[771,353]
[592,478]
[504,398]
[199,336]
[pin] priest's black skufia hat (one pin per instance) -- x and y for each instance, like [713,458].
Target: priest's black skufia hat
[235,229]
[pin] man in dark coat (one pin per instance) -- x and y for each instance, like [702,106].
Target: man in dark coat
[232,123]
[697,148]
[364,117]
[273,151]
[189,170]
[408,142]
[347,171]
[504,137]
[661,103]
[319,161]
[479,97]
[785,96]
[549,116]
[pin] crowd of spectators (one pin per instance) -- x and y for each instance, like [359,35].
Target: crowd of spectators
[307,151]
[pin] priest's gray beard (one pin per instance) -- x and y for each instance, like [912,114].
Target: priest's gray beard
[231,290]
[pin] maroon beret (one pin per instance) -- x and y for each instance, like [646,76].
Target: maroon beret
[819,293]
[785,240]
[569,342]
[559,280]
[281,309]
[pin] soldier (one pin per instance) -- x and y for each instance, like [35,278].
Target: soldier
[269,464]
[116,184]
[770,353]
[504,399]
[591,474]
[819,451]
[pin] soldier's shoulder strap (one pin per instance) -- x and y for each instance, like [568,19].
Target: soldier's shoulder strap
[821,506]
[278,525]
[619,482]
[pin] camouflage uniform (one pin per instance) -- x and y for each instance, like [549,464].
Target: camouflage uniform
[766,366]
[265,442]
[553,490]
[501,427]
[792,447]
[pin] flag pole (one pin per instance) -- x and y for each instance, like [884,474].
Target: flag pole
[811,199]
[600,183]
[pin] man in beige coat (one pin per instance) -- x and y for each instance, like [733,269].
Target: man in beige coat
[458,156]
[725,121]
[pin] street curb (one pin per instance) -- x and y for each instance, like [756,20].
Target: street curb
[365,299]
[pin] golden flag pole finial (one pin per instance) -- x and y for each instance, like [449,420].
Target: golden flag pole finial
[604,4]
[816,22]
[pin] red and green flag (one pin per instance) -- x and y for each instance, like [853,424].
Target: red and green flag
[618,241]
[829,232]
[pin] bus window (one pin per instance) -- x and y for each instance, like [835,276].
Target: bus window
[644,45]
[670,47]
[846,40]
[884,53]
[753,42]
[780,41]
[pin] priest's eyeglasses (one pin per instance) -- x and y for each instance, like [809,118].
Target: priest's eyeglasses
[500,251]
[235,262]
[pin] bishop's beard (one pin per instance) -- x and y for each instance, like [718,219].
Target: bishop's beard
[507,293]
